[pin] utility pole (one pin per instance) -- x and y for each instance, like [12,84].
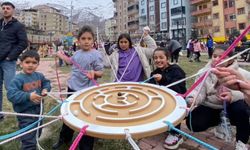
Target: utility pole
[182,24]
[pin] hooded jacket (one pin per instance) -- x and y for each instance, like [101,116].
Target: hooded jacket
[208,94]
[13,39]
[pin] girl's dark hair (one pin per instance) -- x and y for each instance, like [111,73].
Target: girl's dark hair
[31,54]
[126,36]
[166,52]
[84,29]
[224,48]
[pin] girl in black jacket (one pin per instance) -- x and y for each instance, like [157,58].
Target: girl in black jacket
[165,74]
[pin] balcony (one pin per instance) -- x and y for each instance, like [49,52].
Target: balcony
[204,24]
[195,2]
[207,10]
[230,24]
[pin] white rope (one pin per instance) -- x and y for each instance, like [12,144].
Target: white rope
[37,131]
[130,140]
[61,93]
[28,115]
[109,61]
[230,58]
[192,76]
[54,98]
[34,129]
[199,90]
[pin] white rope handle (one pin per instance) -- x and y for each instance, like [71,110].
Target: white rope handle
[37,131]
[29,115]
[34,129]
[130,140]
[194,75]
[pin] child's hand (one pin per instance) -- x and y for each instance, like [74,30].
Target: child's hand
[91,74]
[189,101]
[60,53]
[146,31]
[35,97]
[158,77]
[225,96]
[44,92]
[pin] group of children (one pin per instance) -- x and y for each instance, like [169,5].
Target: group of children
[130,63]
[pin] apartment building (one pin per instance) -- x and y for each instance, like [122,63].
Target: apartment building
[220,18]
[51,20]
[143,13]
[202,13]
[133,18]
[29,17]
[180,20]
[121,15]
[164,13]
[110,29]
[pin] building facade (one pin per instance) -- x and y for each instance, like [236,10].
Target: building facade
[180,20]
[121,16]
[220,18]
[133,18]
[110,30]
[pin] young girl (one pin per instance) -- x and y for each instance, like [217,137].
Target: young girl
[197,50]
[132,63]
[91,60]
[166,74]
[210,103]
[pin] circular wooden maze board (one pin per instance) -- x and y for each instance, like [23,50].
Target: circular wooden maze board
[112,108]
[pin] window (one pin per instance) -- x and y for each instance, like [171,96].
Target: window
[241,11]
[142,11]
[215,2]
[152,18]
[216,16]
[177,11]
[225,4]
[151,8]
[216,29]
[163,15]
[231,3]
[175,2]
[242,26]
[164,25]
[163,5]
[151,0]
[232,17]
[142,2]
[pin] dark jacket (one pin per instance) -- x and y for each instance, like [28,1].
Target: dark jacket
[13,39]
[173,45]
[171,74]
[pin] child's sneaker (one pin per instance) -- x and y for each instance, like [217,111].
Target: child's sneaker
[173,141]
[240,146]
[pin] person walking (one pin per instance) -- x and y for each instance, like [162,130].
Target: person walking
[13,41]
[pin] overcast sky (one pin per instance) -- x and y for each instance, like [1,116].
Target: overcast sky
[104,7]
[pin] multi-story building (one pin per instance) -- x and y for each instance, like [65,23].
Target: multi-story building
[164,13]
[202,13]
[180,20]
[143,13]
[220,18]
[121,15]
[133,18]
[30,18]
[149,15]
[110,29]
[51,20]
